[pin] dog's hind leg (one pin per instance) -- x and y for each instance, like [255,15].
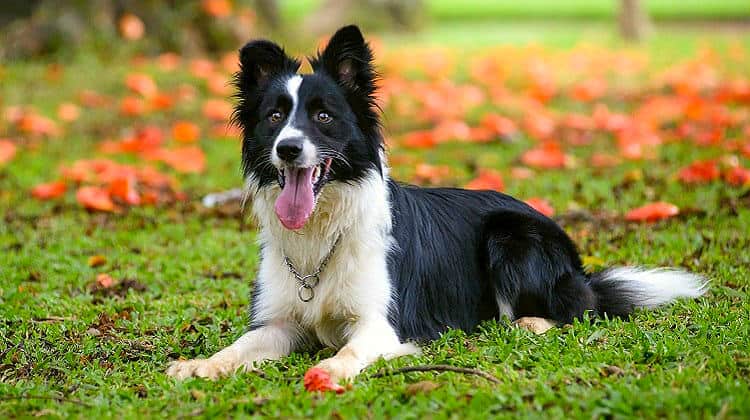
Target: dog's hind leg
[535,270]
[267,342]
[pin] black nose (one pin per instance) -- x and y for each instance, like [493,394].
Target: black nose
[289,149]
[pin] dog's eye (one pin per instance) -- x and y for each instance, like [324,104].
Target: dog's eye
[275,117]
[323,117]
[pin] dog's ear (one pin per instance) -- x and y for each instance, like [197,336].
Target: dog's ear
[348,59]
[260,61]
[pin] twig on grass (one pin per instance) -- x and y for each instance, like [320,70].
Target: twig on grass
[43,397]
[438,368]
[53,319]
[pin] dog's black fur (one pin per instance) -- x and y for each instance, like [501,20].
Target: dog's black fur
[457,256]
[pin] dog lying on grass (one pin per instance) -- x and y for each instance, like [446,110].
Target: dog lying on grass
[356,261]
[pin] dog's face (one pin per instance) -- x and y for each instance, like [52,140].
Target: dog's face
[304,132]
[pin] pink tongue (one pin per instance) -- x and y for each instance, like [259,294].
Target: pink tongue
[296,201]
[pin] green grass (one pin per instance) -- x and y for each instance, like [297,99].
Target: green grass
[197,266]
[441,11]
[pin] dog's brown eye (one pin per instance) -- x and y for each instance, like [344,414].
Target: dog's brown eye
[323,117]
[275,117]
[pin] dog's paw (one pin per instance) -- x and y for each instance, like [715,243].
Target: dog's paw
[340,368]
[534,324]
[200,368]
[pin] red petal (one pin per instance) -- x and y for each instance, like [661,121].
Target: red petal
[7,151]
[541,205]
[548,155]
[124,189]
[420,139]
[652,212]
[487,180]
[317,379]
[95,198]
[737,176]
[699,172]
[49,190]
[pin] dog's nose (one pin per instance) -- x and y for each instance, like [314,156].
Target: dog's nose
[289,149]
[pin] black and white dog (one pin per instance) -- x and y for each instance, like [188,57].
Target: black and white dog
[353,260]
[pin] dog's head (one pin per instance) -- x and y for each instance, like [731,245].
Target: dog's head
[303,132]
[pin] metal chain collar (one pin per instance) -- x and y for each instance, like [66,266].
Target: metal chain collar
[307,283]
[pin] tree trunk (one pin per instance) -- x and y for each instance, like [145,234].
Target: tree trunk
[633,19]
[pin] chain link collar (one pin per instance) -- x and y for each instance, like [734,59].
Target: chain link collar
[307,283]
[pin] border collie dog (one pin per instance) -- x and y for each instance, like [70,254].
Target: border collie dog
[353,260]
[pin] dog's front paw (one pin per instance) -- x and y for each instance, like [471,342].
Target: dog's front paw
[339,368]
[201,368]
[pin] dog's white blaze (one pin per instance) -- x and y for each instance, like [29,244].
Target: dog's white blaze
[655,287]
[309,152]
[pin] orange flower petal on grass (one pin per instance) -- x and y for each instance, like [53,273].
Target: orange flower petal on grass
[541,205]
[432,174]
[186,159]
[500,126]
[422,139]
[95,198]
[737,176]
[217,109]
[317,379]
[185,131]
[548,155]
[132,106]
[141,83]
[68,112]
[488,179]
[699,172]
[7,151]
[124,189]
[652,212]
[104,280]
[49,190]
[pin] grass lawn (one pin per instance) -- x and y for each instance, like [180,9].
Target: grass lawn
[184,274]
[498,10]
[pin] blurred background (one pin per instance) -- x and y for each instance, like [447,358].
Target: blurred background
[195,27]
[506,95]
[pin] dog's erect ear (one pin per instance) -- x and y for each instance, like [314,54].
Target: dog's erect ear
[348,59]
[260,61]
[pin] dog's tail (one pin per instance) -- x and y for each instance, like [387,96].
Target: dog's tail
[621,290]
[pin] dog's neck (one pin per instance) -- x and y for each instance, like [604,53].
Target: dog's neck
[358,211]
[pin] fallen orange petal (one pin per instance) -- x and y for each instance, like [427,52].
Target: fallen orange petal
[699,172]
[185,131]
[95,198]
[105,280]
[422,139]
[49,190]
[488,179]
[7,151]
[738,176]
[652,212]
[123,188]
[548,156]
[317,379]
[541,205]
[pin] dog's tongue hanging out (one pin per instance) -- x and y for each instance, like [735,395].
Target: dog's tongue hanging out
[295,203]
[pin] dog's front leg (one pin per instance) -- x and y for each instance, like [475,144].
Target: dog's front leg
[369,340]
[268,342]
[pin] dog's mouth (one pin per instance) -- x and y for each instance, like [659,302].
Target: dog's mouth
[299,187]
